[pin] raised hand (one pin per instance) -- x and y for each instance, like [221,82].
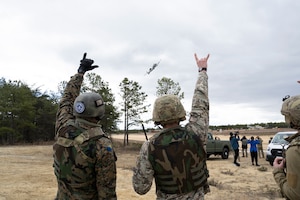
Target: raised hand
[86,65]
[201,63]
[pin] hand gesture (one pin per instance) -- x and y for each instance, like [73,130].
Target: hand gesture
[86,65]
[202,63]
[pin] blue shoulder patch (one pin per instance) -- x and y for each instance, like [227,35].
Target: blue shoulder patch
[108,148]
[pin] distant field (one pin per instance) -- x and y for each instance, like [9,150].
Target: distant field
[27,173]
[254,132]
[223,134]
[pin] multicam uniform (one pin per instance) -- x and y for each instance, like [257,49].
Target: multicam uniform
[180,173]
[289,182]
[84,161]
[260,148]
[244,146]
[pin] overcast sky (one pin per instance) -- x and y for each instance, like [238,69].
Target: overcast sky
[254,48]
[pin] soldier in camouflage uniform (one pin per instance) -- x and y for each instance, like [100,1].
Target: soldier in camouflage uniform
[289,179]
[176,157]
[84,160]
[260,148]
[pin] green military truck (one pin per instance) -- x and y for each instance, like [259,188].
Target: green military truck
[215,146]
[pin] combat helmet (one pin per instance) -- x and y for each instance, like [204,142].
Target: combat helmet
[291,111]
[167,108]
[89,105]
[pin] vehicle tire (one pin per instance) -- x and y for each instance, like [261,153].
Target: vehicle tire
[225,153]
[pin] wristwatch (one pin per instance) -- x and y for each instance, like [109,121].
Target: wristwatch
[202,69]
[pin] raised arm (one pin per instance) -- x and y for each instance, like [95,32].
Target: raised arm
[72,90]
[199,116]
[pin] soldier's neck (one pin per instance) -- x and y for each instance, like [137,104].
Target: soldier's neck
[171,125]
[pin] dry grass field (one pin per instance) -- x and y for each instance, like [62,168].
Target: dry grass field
[27,173]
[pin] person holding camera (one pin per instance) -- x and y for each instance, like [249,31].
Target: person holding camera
[287,168]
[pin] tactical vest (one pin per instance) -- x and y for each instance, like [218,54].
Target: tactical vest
[74,161]
[179,161]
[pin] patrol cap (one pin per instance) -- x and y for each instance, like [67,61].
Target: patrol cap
[291,111]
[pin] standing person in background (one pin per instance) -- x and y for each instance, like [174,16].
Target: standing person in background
[234,140]
[84,160]
[260,148]
[287,170]
[253,150]
[244,141]
[176,157]
[230,136]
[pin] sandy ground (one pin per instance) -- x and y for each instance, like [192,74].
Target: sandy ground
[27,173]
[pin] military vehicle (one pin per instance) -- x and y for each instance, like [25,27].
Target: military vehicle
[215,146]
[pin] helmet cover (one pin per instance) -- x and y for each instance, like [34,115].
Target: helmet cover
[291,111]
[168,108]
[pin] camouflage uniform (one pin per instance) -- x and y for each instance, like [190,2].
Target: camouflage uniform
[84,161]
[260,148]
[289,179]
[144,173]
[289,182]
[244,146]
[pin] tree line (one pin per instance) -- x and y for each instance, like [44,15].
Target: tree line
[269,125]
[28,115]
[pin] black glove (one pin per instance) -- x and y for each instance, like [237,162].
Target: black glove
[86,65]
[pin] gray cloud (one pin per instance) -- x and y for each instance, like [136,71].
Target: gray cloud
[254,47]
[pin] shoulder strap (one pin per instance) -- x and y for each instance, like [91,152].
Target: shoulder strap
[84,136]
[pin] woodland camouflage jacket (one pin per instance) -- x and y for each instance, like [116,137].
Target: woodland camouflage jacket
[143,173]
[84,160]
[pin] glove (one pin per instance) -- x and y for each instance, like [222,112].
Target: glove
[86,65]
